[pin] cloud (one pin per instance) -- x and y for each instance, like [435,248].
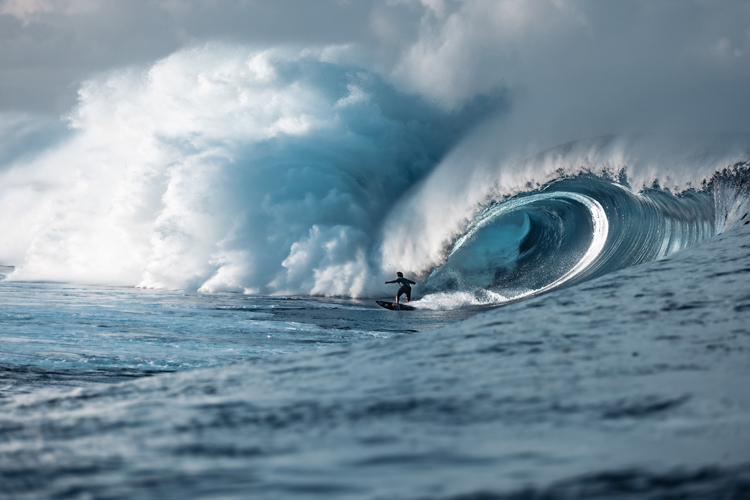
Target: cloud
[22,8]
[50,46]
[448,50]
[29,9]
[471,47]
[480,45]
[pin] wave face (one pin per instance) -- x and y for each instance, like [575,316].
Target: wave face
[573,229]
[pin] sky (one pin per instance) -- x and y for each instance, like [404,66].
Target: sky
[50,46]
[447,50]
[297,146]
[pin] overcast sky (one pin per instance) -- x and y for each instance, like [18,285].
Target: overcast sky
[48,46]
[447,50]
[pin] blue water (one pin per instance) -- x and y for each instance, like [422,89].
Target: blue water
[100,333]
[624,377]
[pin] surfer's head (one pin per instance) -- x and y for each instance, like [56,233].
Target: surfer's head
[400,274]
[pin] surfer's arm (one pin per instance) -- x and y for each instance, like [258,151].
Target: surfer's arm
[412,282]
[389,282]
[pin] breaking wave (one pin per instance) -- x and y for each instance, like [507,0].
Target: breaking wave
[575,229]
[281,171]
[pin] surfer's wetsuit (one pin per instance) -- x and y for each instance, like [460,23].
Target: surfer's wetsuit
[404,289]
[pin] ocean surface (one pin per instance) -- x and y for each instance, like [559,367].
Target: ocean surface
[68,334]
[606,355]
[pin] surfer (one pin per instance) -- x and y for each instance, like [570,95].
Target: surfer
[405,287]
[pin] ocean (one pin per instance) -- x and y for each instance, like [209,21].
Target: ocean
[629,384]
[191,261]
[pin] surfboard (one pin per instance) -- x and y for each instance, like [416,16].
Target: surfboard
[395,307]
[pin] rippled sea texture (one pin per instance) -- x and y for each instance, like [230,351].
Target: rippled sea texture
[632,385]
[64,334]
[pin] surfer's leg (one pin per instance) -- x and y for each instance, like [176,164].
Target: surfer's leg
[401,291]
[408,295]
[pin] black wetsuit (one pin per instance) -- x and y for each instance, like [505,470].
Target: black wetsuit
[404,289]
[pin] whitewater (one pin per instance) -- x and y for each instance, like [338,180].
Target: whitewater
[189,262]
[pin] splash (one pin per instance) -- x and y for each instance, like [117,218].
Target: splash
[224,168]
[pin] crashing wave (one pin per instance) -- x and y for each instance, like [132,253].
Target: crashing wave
[232,169]
[578,228]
